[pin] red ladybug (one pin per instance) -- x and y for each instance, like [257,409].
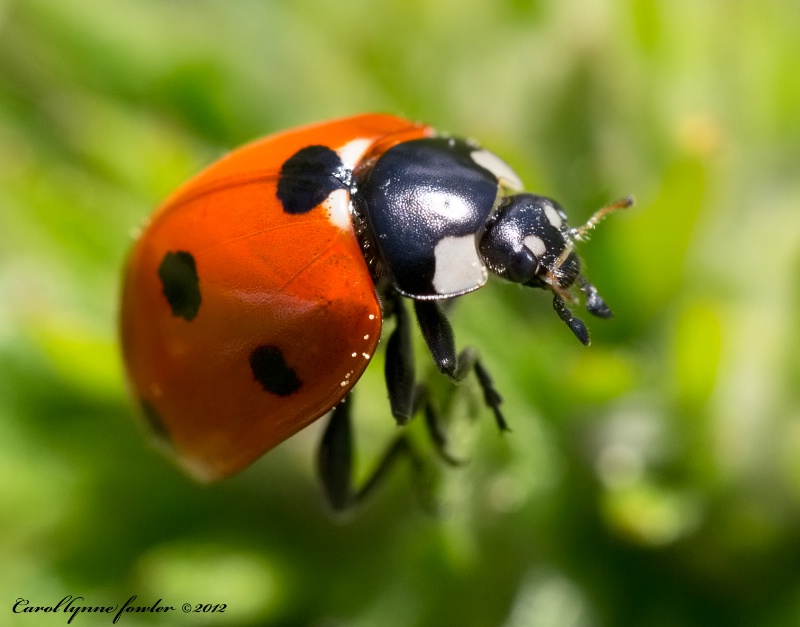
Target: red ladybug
[255,297]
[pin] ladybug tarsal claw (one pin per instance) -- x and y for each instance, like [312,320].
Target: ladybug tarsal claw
[595,304]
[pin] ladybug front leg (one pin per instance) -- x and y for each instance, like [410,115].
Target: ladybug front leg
[576,325]
[441,343]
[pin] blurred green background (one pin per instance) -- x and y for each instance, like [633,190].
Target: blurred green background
[652,479]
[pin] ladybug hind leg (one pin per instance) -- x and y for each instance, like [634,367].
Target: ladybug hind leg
[335,462]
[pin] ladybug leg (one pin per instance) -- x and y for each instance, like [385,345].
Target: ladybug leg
[406,397]
[335,462]
[441,343]
[595,304]
[399,368]
[335,458]
[434,425]
[576,325]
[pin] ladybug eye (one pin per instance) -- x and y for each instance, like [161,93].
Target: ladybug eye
[521,266]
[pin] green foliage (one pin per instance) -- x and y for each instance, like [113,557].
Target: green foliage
[649,480]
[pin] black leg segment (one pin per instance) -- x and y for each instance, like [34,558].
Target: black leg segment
[576,325]
[335,462]
[595,304]
[335,458]
[407,398]
[441,343]
[399,368]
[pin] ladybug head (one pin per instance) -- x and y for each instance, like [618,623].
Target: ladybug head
[527,240]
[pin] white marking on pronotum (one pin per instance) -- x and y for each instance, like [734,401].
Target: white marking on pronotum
[458,266]
[507,177]
[351,152]
[535,244]
[337,204]
[552,215]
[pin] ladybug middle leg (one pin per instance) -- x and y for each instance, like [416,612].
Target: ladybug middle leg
[441,343]
[407,396]
[404,393]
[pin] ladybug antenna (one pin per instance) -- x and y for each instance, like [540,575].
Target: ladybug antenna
[581,233]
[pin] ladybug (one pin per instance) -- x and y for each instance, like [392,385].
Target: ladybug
[254,298]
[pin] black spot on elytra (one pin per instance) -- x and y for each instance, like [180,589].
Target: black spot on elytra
[154,421]
[308,177]
[272,372]
[180,283]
